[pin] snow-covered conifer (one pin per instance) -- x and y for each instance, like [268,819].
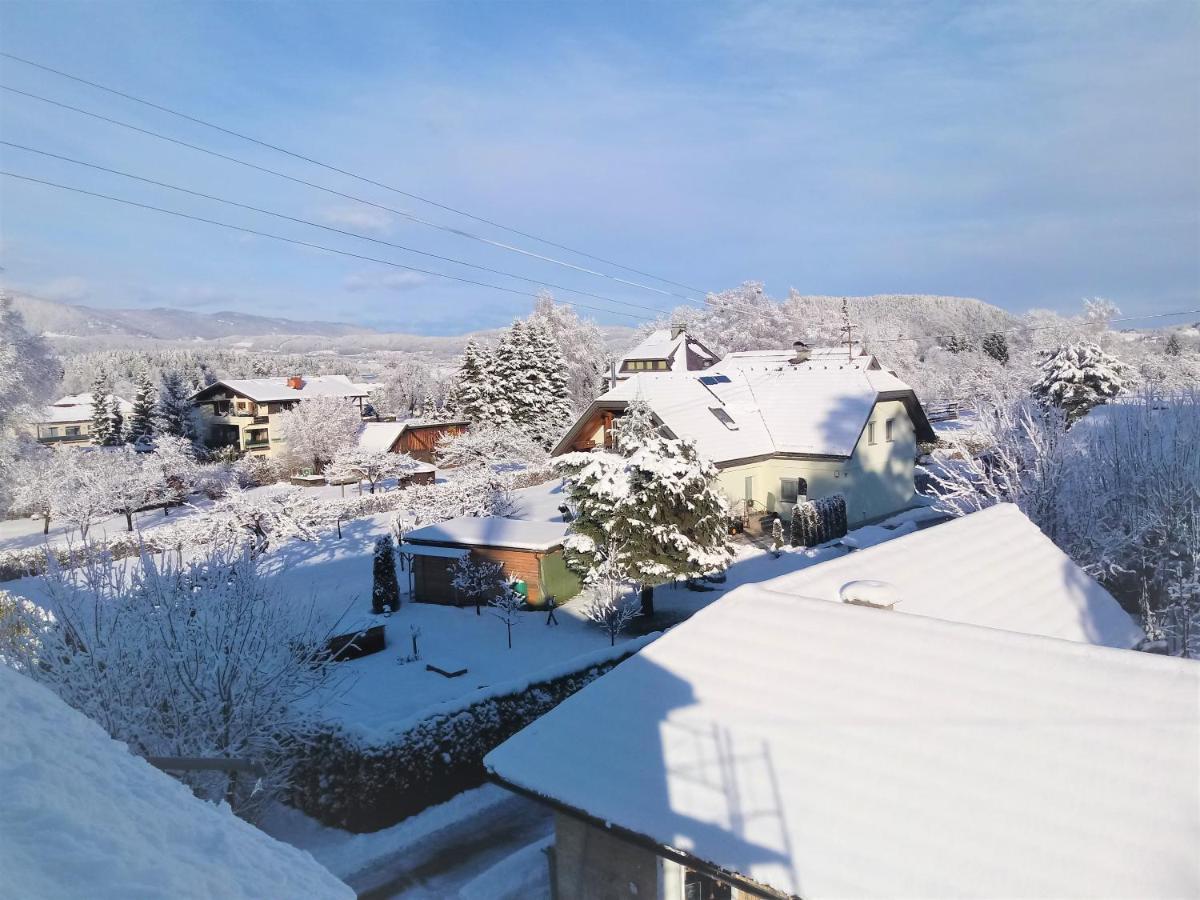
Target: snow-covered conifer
[143,415]
[385,589]
[175,414]
[581,344]
[1078,377]
[472,395]
[1173,346]
[101,424]
[995,345]
[116,422]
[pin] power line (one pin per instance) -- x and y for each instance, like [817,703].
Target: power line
[299,243]
[320,187]
[340,171]
[330,228]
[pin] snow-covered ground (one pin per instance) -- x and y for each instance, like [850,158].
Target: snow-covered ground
[485,844]
[383,693]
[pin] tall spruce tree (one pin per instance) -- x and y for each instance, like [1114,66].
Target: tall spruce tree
[385,589]
[545,378]
[512,404]
[101,424]
[471,396]
[141,420]
[116,422]
[995,345]
[174,412]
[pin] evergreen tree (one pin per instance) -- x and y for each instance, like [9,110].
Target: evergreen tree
[116,422]
[657,509]
[429,410]
[101,425]
[471,397]
[141,422]
[995,345]
[634,428]
[1173,347]
[955,343]
[545,379]
[512,401]
[1078,377]
[174,412]
[385,590]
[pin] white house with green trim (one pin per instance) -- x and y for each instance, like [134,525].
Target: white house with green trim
[783,426]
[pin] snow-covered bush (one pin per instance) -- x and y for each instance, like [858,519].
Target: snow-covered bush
[611,613]
[817,521]
[198,660]
[385,589]
[240,518]
[776,535]
[1078,377]
[501,446]
[256,470]
[475,490]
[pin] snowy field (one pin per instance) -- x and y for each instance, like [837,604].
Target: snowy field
[384,694]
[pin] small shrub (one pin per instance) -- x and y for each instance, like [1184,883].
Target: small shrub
[817,521]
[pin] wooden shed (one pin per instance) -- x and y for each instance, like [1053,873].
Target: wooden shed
[529,551]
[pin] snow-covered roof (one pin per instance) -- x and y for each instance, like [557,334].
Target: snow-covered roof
[818,358]
[265,390]
[832,750]
[744,411]
[83,817]
[434,550]
[661,345]
[993,568]
[379,435]
[75,408]
[493,531]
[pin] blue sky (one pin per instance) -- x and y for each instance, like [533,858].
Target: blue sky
[1027,154]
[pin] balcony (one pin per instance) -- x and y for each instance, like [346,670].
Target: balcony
[261,420]
[63,438]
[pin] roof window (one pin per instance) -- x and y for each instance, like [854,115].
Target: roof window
[723,417]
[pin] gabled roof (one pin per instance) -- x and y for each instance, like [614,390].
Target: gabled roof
[661,345]
[265,390]
[84,817]
[741,411]
[831,750]
[492,531]
[992,568]
[818,358]
[382,435]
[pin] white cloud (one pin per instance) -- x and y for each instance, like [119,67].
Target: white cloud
[387,281]
[362,218]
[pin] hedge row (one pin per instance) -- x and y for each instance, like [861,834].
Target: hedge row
[32,560]
[817,521]
[361,788]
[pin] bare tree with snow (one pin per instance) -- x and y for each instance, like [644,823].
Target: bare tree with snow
[502,446]
[507,606]
[317,429]
[479,580]
[372,466]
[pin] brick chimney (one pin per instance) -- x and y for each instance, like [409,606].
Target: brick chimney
[296,382]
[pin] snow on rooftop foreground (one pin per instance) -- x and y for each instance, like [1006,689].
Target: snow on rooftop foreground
[993,568]
[82,817]
[832,750]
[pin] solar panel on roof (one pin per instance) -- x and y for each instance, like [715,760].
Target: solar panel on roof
[723,417]
[714,379]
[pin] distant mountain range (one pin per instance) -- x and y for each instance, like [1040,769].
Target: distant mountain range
[72,320]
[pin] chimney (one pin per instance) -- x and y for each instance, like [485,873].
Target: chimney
[800,352]
[296,382]
[677,329]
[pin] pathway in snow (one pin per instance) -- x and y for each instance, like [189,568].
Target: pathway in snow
[463,853]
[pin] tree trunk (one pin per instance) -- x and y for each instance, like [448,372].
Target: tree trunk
[647,597]
[46,524]
[129,520]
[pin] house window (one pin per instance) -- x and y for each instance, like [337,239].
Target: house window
[870,432]
[52,431]
[889,428]
[661,364]
[697,886]
[72,431]
[793,490]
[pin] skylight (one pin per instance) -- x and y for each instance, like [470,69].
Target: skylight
[723,417]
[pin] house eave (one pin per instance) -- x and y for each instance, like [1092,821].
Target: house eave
[646,842]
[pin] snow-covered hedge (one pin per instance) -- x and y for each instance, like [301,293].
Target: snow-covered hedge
[817,521]
[364,784]
[26,561]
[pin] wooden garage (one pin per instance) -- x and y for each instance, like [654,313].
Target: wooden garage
[531,552]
